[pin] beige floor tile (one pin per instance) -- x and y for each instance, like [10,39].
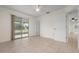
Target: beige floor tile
[36,45]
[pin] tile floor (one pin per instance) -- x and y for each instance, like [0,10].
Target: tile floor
[36,45]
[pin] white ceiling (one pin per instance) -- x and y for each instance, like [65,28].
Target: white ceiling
[30,9]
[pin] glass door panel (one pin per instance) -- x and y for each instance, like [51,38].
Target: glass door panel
[17,28]
[25,29]
[20,28]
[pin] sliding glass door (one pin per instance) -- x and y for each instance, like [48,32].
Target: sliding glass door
[20,28]
[25,29]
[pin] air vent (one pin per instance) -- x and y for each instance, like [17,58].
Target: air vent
[47,12]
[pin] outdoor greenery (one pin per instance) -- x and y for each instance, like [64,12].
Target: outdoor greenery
[20,27]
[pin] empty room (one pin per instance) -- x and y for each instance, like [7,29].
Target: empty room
[39,29]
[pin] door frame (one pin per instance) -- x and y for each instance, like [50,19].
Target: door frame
[67,23]
[13,28]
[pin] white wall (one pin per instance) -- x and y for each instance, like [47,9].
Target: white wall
[5,27]
[5,23]
[38,26]
[32,26]
[54,25]
[78,26]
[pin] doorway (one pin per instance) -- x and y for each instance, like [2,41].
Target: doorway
[72,29]
[20,28]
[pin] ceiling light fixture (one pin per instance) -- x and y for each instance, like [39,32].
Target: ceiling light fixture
[37,8]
